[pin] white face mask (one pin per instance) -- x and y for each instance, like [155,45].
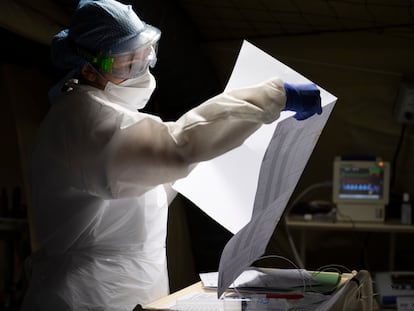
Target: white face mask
[133,93]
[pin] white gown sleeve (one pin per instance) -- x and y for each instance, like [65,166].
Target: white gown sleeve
[151,152]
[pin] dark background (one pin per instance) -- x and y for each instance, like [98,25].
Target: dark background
[360,51]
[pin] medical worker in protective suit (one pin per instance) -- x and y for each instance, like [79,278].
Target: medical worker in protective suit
[102,170]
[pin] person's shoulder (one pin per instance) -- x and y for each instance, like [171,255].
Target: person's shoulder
[80,95]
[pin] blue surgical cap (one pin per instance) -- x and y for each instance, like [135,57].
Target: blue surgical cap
[101,27]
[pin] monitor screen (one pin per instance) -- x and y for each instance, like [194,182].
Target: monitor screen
[361,182]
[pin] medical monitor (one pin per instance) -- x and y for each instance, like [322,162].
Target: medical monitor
[361,189]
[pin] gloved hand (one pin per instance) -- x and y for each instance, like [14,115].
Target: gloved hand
[304,99]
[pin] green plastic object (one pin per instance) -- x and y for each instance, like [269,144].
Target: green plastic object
[328,281]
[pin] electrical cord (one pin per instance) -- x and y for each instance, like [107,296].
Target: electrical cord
[307,287]
[289,209]
[305,192]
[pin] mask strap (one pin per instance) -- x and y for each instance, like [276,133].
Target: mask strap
[99,73]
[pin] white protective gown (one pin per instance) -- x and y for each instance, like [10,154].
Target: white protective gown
[99,178]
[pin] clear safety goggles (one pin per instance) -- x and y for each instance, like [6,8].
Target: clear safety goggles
[127,66]
[131,59]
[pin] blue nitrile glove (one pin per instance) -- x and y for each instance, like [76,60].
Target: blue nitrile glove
[304,99]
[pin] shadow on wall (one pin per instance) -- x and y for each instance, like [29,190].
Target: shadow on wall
[185,76]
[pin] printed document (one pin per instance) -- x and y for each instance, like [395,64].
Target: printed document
[247,189]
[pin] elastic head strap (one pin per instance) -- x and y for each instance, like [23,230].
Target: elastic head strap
[103,62]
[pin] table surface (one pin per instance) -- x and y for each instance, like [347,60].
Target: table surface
[198,288]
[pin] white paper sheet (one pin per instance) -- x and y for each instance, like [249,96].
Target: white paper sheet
[246,190]
[225,187]
[282,166]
